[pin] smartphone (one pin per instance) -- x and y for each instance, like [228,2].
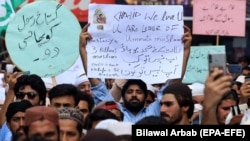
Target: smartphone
[217,60]
[243,108]
[3,66]
[236,110]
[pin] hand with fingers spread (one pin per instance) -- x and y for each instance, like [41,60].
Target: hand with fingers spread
[12,78]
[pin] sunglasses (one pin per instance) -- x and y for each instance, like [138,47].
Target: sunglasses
[21,95]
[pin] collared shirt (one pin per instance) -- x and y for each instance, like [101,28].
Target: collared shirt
[152,110]
[101,93]
[5,133]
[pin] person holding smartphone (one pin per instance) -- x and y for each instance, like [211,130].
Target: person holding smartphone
[216,86]
[245,90]
[228,103]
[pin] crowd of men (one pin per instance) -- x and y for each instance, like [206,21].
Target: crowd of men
[89,110]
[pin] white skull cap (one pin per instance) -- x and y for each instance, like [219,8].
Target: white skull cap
[197,89]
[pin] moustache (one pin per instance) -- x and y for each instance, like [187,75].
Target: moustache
[18,131]
[165,115]
[134,98]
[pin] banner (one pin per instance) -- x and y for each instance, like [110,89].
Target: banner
[142,42]
[197,67]
[6,14]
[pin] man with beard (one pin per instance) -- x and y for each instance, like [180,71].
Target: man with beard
[134,92]
[177,105]
[15,118]
[21,87]
[42,121]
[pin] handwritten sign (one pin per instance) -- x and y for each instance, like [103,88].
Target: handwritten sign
[80,7]
[219,17]
[135,42]
[197,67]
[43,38]
[70,75]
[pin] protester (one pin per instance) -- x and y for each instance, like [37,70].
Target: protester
[15,119]
[198,97]
[22,87]
[86,104]
[100,135]
[82,83]
[98,115]
[245,70]
[134,91]
[152,120]
[151,97]
[123,130]
[43,121]
[243,61]
[113,107]
[71,123]
[228,105]
[177,105]
[63,95]
[216,86]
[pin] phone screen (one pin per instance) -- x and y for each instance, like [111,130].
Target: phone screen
[235,110]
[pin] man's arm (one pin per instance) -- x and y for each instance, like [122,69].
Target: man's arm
[215,87]
[116,89]
[84,37]
[187,40]
[99,89]
[11,80]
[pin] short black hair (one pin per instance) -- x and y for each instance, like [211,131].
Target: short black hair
[64,90]
[17,106]
[183,95]
[152,120]
[35,82]
[88,98]
[138,82]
